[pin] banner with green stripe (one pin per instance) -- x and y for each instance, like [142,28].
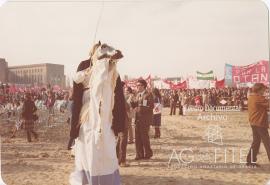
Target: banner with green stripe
[205,76]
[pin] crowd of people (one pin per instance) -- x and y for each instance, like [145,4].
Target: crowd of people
[231,96]
[130,112]
[46,99]
[16,108]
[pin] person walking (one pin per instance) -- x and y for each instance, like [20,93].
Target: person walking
[49,103]
[28,111]
[258,119]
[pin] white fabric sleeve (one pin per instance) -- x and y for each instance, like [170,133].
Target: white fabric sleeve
[79,76]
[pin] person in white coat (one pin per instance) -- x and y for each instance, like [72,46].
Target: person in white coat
[101,118]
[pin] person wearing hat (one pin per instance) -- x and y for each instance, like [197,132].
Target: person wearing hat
[258,119]
[144,105]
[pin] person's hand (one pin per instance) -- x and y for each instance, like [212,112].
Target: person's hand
[70,143]
[117,55]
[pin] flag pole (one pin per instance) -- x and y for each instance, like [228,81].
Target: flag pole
[98,21]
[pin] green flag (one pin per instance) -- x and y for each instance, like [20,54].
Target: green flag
[205,76]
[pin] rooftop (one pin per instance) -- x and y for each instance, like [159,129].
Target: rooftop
[33,65]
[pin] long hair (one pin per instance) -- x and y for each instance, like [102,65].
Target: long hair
[157,93]
[93,52]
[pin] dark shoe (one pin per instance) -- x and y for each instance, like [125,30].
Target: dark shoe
[157,133]
[124,164]
[253,165]
[36,139]
[148,156]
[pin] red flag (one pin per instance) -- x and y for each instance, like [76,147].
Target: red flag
[180,85]
[220,84]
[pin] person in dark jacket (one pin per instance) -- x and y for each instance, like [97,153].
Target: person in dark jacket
[119,109]
[122,139]
[101,118]
[174,100]
[143,105]
[258,119]
[28,111]
[157,112]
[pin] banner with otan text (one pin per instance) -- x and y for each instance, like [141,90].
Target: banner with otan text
[253,73]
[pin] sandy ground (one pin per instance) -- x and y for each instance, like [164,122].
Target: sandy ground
[47,162]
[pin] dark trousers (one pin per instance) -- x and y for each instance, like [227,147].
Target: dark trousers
[29,127]
[29,131]
[180,109]
[130,130]
[157,132]
[121,147]
[173,108]
[142,141]
[259,134]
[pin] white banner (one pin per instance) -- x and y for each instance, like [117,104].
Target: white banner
[160,84]
[198,84]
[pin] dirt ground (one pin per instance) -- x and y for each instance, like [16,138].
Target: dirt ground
[184,139]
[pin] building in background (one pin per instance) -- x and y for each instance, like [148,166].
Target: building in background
[37,74]
[3,71]
[34,74]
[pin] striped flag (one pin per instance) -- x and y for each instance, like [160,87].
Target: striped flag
[205,76]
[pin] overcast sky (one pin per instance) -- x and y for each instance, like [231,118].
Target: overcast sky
[164,38]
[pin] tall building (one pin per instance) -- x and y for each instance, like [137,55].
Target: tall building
[39,74]
[35,74]
[3,71]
